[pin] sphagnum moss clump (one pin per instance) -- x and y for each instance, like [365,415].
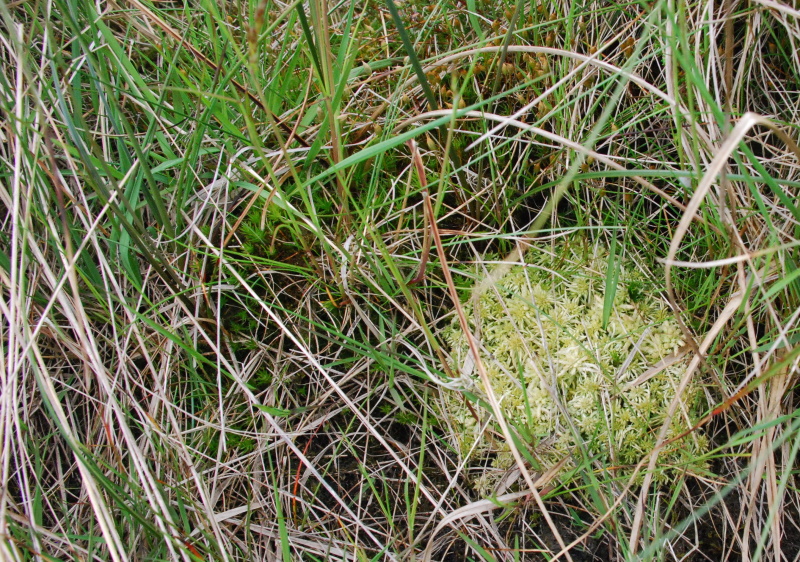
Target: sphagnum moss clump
[573,382]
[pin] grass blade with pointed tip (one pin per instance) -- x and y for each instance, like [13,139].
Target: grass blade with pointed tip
[412,55]
[612,278]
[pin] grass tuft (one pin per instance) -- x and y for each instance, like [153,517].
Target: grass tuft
[235,236]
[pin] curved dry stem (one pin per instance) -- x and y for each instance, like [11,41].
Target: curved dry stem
[497,410]
[717,166]
[551,136]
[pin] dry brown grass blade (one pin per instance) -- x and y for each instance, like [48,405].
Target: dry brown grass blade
[426,241]
[314,362]
[747,122]
[468,511]
[584,59]
[159,394]
[556,138]
[732,306]
[498,412]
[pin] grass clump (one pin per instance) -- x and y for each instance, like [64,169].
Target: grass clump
[585,359]
[223,277]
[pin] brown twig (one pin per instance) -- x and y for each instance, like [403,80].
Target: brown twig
[429,219]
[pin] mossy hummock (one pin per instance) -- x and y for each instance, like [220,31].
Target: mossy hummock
[577,377]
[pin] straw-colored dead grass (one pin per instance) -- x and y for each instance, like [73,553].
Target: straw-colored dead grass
[212,344]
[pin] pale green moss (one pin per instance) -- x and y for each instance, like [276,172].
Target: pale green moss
[562,377]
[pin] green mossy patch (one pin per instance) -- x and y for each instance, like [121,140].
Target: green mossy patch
[576,373]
